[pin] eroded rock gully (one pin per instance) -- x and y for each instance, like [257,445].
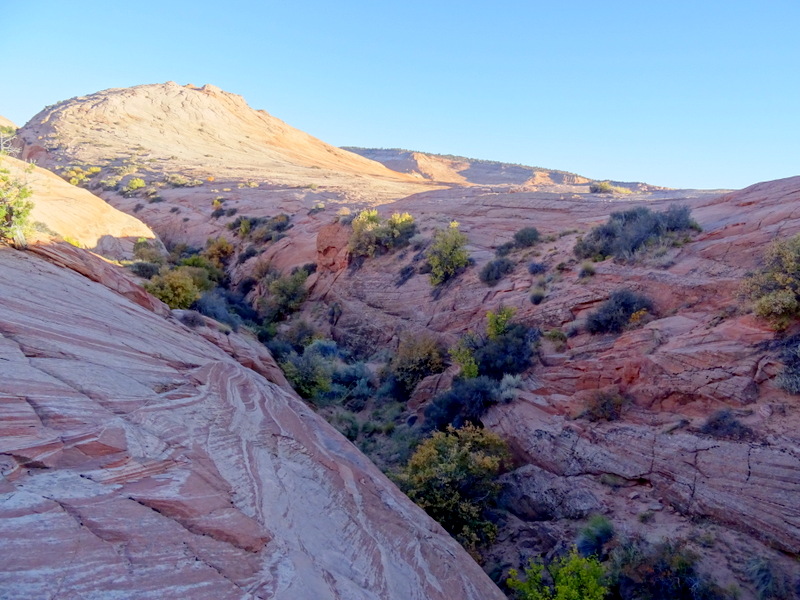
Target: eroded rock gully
[141,460]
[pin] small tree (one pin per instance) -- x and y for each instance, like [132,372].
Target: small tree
[575,578]
[452,476]
[175,288]
[15,208]
[447,253]
[775,289]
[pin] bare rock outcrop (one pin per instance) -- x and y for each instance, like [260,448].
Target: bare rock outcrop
[139,459]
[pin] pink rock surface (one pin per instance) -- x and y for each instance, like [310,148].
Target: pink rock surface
[138,459]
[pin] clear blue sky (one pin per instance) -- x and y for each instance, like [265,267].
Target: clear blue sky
[700,93]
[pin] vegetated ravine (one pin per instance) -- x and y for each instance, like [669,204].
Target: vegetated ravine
[598,330]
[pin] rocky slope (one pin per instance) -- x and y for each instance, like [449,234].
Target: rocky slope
[140,459]
[469,171]
[700,353]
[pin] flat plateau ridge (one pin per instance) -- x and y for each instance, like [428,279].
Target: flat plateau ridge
[219,424]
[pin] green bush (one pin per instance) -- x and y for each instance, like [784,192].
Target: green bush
[452,476]
[494,270]
[537,268]
[538,295]
[775,289]
[175,288]
[416,358]
[509,353]
[574,578]
[135,183]
[627,232]
[15,209]
[597,533]
[373,235]
[604,406]
[447,254]
[465,403]
[309,373]
[770,581]
[722,424]
[618,311]
[526,237]
[605,187]
[664,571]
[286,295]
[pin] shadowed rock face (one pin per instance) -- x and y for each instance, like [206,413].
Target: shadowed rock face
[141,460]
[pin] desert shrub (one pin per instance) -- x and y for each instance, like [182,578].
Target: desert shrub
[574,578]
[213,272]
[175,288]
[416,358]
[309,373]
[526,237]
[135,183]
[406,273]
[15,208]
[494,270]
[770,581]
[538,295]
[498,323]
[664,571]
[606,187]
[775,288]
[628,231]
[218,251]
[462,355]
[147,250]
[505,249]
[178,180]
[148,270]
[447,254]
[192,318]
[789,377]
[465,403]
[510,352]
[372,235]
[286,294]
[615,313]
[537,268]
[597,533]
[453,477]
[723,424]
[248,253]
[587,270]
[213,303]
[604,406]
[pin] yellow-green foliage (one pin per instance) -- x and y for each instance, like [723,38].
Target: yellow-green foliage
[135,183]
[575,577]
[78,175]
[371,234]
[452,476]
[416,358]
[447,254]
[497,323]
[605,187]
[175,288]
[218,251]
[775,289]
[464,357]
[15,208]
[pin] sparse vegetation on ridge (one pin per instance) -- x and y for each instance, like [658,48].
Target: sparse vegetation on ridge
[627,232]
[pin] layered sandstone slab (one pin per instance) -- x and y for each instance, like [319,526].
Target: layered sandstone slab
[139,459]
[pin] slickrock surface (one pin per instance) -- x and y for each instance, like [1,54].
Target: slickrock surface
[140,460]
[462,170]
[6,123]
[701,354]
[72,212]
